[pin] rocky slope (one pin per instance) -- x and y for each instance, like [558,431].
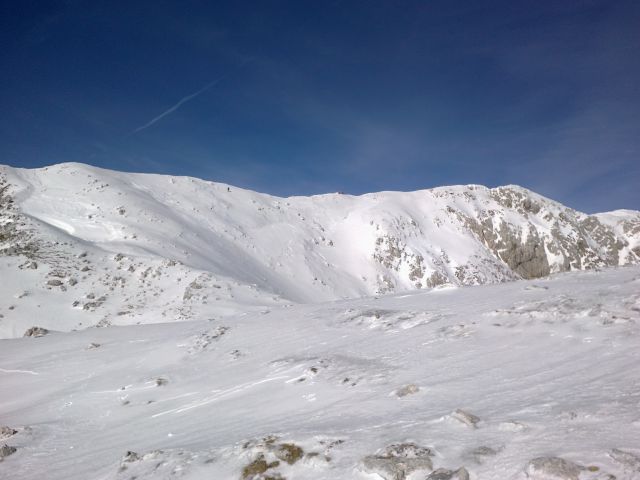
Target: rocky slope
[130,248]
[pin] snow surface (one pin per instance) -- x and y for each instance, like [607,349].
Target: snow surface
[551,368]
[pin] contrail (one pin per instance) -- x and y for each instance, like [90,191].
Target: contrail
[177,105]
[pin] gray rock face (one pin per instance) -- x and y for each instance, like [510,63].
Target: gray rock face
[552,468]
[526,257]
[523,235]
[581,241]
[15,237]
[398,461]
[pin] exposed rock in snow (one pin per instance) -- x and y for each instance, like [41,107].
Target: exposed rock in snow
[482,453]
[6,450]
[409,389]
[630,461]
[552,468]
[444,474]
[398,461]
[36,332]
[6,432]
[257,469]
[469,419]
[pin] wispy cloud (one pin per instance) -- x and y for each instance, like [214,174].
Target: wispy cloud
[181,102]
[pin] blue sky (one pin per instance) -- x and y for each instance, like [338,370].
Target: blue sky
[301,97]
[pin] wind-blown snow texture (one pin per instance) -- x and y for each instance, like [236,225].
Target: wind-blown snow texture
[550,367]
[232,353]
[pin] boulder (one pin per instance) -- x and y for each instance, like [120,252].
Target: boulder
[397,461]
[469,419]
[36,332]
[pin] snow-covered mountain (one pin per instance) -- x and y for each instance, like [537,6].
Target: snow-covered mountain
[121,248]
[248,338]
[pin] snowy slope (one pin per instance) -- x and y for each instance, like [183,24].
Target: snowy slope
[125,248]
[248,338]
[545,372]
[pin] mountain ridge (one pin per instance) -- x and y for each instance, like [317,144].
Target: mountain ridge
[279,250]
[513,186]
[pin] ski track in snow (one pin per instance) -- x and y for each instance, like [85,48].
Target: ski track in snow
[3,370]
[218,395]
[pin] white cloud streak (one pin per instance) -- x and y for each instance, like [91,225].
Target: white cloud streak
[177,105]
